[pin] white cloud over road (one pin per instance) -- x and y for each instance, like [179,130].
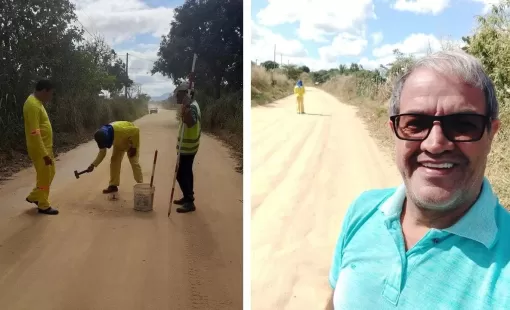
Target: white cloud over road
[120,22]
[422,6]
[317,19]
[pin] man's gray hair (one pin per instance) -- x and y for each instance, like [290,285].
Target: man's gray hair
[458,63]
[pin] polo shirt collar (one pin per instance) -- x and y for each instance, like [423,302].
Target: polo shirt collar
[478,224]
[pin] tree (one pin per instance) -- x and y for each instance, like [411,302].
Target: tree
[305,69]
[40,39]
[400,65]
[292,71]
[491,44]
[213,29]
[269,64]
[354,67]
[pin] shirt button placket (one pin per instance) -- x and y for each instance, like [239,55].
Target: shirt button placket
[393,282]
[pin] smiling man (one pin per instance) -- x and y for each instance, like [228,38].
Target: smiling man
[438,241]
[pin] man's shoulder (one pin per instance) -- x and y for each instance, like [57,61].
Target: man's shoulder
[503,216]
[366,203]
[371,198]
[31,101]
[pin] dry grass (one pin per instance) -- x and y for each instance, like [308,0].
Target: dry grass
[224,119]
[261,90]
[373,109]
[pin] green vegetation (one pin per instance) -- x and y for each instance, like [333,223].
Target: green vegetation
[214,30]
[370,90]
[41,40]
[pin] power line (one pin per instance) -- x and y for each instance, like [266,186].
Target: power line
[85,28]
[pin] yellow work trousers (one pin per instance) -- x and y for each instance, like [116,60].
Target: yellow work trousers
[45,175]
[116,162]
[300,104]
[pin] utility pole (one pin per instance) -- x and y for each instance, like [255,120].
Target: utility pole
[274,62]
[281,59]
[127,74]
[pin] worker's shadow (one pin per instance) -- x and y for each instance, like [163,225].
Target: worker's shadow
[317,114]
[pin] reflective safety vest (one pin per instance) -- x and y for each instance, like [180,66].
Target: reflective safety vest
[191,136]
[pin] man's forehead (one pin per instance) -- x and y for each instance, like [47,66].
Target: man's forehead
[427,89]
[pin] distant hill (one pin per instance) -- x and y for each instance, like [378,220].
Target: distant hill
[161,97]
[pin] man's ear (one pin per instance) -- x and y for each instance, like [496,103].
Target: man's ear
[495,125]
[390,125]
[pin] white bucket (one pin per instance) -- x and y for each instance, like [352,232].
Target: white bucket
[143,197]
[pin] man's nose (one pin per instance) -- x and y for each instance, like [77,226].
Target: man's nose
[436,142]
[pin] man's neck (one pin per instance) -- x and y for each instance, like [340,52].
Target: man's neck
[36,95]
[427,218]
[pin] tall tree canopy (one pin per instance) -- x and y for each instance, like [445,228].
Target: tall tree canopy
[214,30]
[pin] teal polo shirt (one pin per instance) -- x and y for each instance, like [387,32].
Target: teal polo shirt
[465,266]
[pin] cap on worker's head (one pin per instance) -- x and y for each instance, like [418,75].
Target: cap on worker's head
[182,87]
[101,138]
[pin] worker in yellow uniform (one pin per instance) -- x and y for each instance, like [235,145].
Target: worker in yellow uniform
[299,91]
[191,120]
[124,137]
[39,140]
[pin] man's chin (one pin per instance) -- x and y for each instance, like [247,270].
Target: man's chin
[434,197]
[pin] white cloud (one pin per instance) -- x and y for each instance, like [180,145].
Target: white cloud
[377,38]
[487,4]
[141,60]
[422,6]
[319,18]
[344,44]
[287,50]
[263,41]
[417,44]
[120,21]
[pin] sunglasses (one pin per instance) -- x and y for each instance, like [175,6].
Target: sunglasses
[462,127]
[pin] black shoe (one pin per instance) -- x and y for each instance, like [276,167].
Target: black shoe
[49,211]
[187,207]
[180,202]
[111,189]
[30,201]
[183,201]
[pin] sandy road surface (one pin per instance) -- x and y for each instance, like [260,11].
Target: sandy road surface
[306,169]
[102,255]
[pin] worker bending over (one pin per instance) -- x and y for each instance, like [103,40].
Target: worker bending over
[39,140]
[299,91]
[191,120]
[124,137]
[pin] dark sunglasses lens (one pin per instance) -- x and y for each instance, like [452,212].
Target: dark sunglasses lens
[460,127]
[413,127]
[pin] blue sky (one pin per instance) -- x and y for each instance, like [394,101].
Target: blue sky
[411,26]
[134,27]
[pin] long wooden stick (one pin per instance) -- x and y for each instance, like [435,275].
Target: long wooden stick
[154,167]
[190,87]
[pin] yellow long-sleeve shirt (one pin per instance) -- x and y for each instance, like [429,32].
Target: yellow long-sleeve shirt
[126,135]
[38,130]
[299,91]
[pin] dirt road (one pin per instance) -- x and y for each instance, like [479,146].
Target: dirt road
[102,255]
[306,169]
